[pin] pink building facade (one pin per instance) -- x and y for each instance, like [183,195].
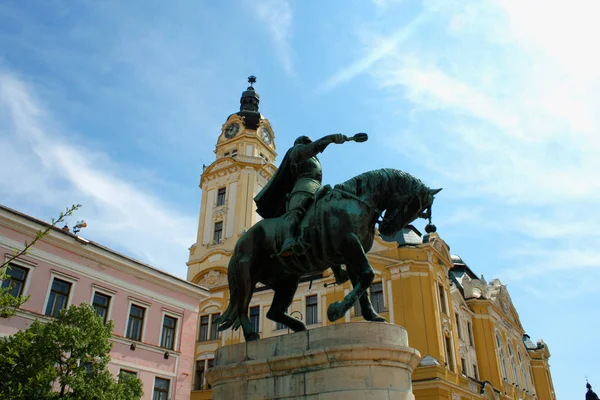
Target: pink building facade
[155,314]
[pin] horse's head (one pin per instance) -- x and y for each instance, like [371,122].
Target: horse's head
[402,209]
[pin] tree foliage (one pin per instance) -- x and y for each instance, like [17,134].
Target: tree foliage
[8,302]
[64,359]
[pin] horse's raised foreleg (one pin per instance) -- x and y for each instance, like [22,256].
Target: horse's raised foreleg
[285,290]
[366,307]
[361,273]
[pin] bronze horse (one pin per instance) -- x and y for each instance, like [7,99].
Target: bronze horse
[340,227]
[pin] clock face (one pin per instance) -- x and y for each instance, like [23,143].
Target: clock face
[232,130]
[265,135]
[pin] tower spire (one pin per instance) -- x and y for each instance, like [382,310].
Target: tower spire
[249,105]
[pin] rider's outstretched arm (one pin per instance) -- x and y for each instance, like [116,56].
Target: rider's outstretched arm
[305,151]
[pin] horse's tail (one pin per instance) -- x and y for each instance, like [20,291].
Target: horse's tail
[240,291]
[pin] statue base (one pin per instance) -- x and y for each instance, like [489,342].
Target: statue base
[352,361]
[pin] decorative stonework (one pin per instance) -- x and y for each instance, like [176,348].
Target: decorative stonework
[219,215]
[213,279]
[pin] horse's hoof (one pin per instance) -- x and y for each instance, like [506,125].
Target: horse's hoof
[374,318]
[335,311]
[298,327]
[251,337]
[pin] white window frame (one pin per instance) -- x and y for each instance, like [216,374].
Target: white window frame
[178,318]
[171,385]
[304,305]
[137,371]
[444,309]
[64,277]
[205,313]
[470,333]
[502,353]
[105,292]
[204,358]
[29,267]
[141,304]
[459,328]
[260,316]
[450,353]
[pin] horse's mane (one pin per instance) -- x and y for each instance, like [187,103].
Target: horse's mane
[372,181]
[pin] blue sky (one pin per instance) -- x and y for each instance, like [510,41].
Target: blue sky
[116,105]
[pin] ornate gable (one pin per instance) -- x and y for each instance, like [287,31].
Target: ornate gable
[212,279]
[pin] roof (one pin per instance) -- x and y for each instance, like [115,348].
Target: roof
[409,236]
[99,246]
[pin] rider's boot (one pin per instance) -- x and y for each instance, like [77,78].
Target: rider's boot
[293,245]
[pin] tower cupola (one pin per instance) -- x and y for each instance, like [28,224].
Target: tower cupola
[249,105]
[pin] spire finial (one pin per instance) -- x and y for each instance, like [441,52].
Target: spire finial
[251,80]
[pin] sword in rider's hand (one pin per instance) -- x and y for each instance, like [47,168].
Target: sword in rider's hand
[359,137]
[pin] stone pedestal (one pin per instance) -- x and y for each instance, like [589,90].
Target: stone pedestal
[355,361]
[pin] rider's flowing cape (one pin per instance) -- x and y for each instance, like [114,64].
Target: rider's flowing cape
[270,201]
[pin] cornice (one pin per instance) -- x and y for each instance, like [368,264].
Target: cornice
[90,250]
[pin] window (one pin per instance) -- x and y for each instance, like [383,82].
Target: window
[161,389]
[201,367]
[167,339]
[136,322]
[513,364]
[88,367]
[463,366]
[279,326]
[200,370]
[218,232]
[209,330]
[209,364]
[59,295]
[226,154]
[100,304]
[458,328]
[233,152]
[15,279]
[449,360]
[312,308]
[124,375]
[442,292]
[203,328]
[502,357]
[214,329]
[475,371]
[255,317]
[376,292]
[377,296]
[221,196]
[470,332]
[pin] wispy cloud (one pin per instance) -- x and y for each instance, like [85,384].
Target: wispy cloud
[43,168]
[512,107]
[379,47]
[277,17]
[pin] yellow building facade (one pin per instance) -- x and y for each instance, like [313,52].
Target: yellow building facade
[467,330]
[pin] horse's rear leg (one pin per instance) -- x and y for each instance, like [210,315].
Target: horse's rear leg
[249,333]
[284,295]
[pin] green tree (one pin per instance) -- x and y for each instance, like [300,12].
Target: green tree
[8,302]
[64,359]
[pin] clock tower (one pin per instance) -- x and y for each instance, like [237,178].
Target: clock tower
[245,153]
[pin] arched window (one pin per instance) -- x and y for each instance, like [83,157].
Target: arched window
[502,356]
[523,370]
[513,363]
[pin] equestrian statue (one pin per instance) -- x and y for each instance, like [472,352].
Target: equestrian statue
[308,228]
